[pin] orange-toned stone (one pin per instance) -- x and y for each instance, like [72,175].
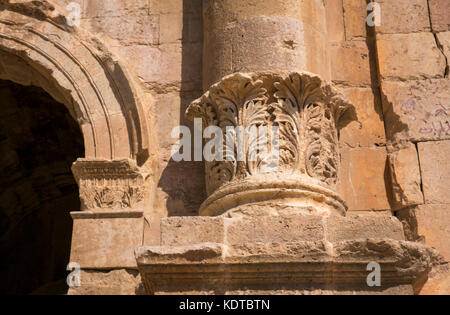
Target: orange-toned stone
[440,17]
[435,166]
[355,15]
[107,239]
[350,63]
[363,184]
[404,171]
[409,56]
[433,226]
[335,20]
[438,282]
[369,130]
[403,16]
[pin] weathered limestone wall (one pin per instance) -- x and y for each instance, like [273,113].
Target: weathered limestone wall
[413,54]
[363,143]
[393,160]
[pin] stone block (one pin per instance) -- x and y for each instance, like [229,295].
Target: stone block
[277,229]
[432,225]
[355,15]
[335,20]
[362,183]
[405,175]
[106,240]
[129,30]
[115,8]
[240,230]
[444,40]
[403,16]
[176,231]
[409,56]
[355,57]
[416,110]
[440,17]
[361,227]
[114,282]
[435,168]
[369,130]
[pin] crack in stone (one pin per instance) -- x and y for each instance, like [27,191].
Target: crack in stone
[438,43]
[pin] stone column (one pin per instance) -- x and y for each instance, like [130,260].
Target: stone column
[255,35]
[255,57]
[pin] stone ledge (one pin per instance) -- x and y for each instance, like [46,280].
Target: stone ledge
[339,267]
[79,215]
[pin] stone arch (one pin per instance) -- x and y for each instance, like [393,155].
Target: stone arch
[38,48]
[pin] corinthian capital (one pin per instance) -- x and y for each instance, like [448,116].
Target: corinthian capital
[306,115]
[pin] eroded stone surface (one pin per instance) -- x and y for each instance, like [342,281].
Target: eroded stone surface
[405,177]
[434,164]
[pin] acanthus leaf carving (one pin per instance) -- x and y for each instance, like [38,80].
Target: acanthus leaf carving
[307,111]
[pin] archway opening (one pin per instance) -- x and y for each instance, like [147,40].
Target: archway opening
[39,141]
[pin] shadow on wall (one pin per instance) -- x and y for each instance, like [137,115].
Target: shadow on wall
[184,182]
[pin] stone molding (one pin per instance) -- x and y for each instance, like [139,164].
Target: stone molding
[110,185]
[309,113]
[300,267]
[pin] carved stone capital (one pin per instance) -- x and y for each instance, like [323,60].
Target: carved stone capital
[308,113]
[110,185]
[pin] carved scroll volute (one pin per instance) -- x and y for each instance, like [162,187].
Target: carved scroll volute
[307,111]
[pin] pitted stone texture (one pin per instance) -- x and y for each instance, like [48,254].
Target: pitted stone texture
[440,18]
[444,40]
[181,231]
[177,231]
[404,171]
[355,55]
[361,227]
[435,167]
[409,57]
[109,282]
[438,281]
[355,15]
[403,16]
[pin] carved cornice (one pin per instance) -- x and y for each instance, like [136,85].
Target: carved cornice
[308,112]
[110,185]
